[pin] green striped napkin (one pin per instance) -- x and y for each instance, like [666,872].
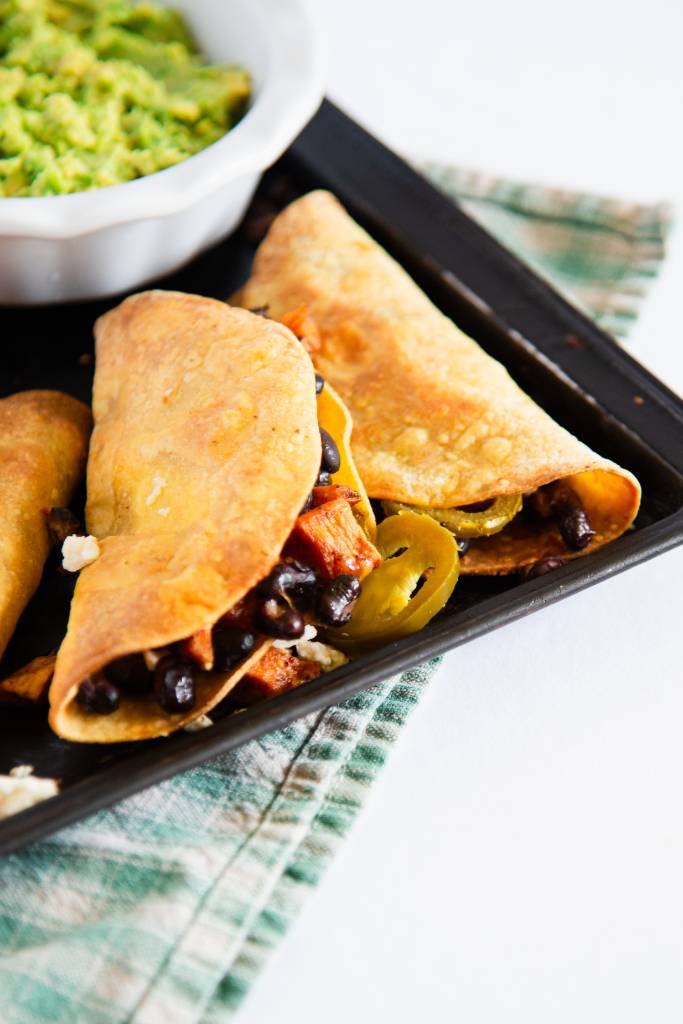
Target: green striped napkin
[164,908]
[601,253]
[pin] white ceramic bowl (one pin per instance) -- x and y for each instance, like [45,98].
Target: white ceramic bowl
[110,240]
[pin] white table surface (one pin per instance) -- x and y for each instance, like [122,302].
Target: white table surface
[521,857]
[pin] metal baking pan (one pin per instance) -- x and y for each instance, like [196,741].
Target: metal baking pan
[559,357]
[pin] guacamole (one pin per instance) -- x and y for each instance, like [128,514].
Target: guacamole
[97,92]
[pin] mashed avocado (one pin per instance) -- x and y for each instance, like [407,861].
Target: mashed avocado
[96,92]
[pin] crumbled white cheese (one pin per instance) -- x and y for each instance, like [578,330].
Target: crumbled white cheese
[309,633]
[19,792]
[158,484]
[21,771]
[203,722]
[327,657]
[77,552]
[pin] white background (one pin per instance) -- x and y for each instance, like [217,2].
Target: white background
[521,857]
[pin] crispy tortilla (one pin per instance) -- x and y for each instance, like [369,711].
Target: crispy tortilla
[43,443]
[437,422]
[205,447]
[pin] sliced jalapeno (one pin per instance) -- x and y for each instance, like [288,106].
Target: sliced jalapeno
[419,570]
[334,417]
[468,524]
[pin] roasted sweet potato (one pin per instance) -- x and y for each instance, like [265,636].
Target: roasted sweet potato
[199,648]
[331,541]
[321,495]
[275,672]
[303,325]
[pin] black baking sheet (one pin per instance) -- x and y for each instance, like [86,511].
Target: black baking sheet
[558,356]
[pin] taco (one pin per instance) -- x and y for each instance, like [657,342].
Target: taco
[439,426]
[43,445]
[221,530]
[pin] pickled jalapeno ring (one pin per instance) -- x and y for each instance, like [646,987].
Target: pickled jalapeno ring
[468,524]
[419,570]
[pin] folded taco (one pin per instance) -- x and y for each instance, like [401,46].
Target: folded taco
[221,526]
[43,444]
[439,426]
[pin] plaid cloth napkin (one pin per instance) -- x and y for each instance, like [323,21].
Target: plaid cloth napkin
[164,909]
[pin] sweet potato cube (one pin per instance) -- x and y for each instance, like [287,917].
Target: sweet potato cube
[275,672]
[331,541]
[321,495]
[303,325]
[199,648]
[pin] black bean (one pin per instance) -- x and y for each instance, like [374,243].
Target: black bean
[337,600]
[324,479]
[275,583]
[319,383]
[574,526]
[304,585]
[174,684]
[97,694]
[560,502]
[275,618]
[292,580]
[62,523]
[330,460]
[307,505]
[540,568]
[463,545]
[231,644]
[130,674]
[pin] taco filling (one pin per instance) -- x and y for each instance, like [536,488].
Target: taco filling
[555,508]
[318,588]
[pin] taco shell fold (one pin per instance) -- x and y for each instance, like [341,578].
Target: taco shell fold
[437,422]
[205,447]
[43,444]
